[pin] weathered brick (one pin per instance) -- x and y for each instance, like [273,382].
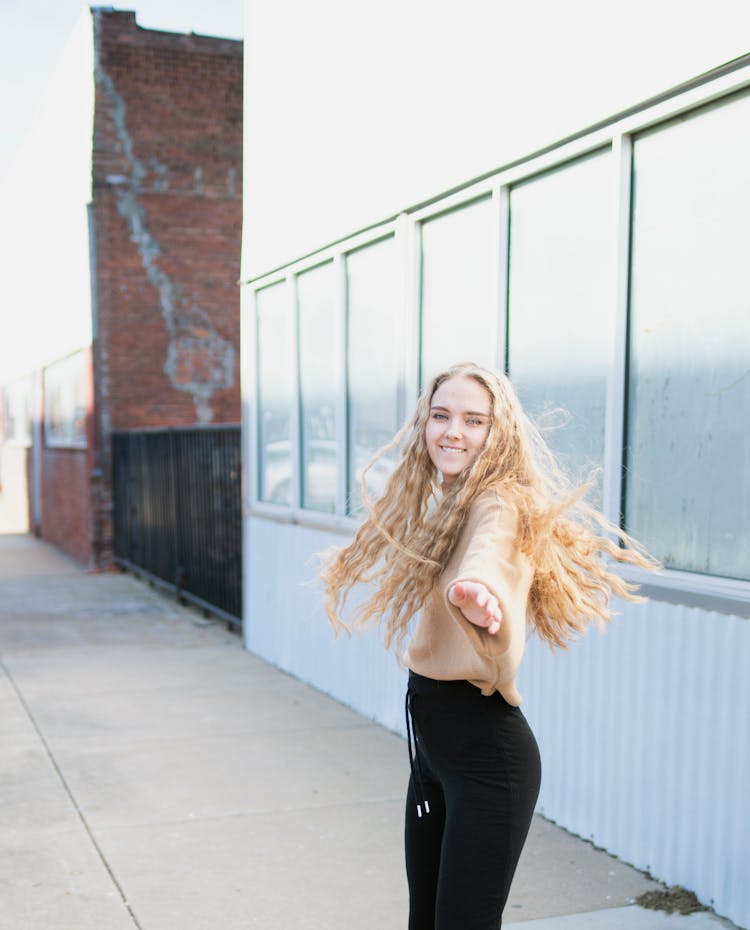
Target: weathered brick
[167,208]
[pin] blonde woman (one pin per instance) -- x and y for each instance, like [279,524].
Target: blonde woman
[479,538]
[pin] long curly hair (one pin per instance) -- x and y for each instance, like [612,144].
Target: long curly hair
[405,542]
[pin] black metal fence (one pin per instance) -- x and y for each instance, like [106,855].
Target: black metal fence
[178,512]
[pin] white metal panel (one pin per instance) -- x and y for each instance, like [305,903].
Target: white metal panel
[285,623]
[642,729]
[643,734]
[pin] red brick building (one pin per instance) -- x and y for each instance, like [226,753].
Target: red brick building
[164,226]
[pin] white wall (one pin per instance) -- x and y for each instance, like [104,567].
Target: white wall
[353,113]
[643,733]
[285,624]
[642,729]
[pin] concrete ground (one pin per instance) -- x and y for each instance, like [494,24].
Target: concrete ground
[157,776]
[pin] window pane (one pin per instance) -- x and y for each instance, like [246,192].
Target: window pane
[561,295]
[688,495]
[376,390]
[18,395]
[459,289]
[65,401]
[275,354]
[319,381]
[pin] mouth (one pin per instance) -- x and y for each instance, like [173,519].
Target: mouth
[451,449]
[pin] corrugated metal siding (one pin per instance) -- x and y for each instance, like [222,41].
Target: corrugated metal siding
[285,624]
[643,733]
[643,730]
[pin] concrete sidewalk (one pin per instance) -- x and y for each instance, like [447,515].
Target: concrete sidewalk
[157,776]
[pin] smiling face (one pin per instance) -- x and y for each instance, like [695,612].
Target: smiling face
[459,423]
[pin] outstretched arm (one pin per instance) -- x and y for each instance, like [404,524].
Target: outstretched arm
[476,604]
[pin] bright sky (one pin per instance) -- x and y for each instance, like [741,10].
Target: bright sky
[33,35]
[33,38]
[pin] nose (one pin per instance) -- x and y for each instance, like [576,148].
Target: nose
[452,429]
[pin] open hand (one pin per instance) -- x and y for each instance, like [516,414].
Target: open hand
[476,604]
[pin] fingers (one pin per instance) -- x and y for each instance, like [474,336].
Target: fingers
[486,602]
[492,614]
[457,594]
[477,604]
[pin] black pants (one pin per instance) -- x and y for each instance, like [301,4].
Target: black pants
[477,766]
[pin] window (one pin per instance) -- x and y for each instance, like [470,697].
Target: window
[679,382]
[375,339]
[459,289]
[18,411]
[688,450]
[561,295]
[65,407]
[319,385]
[274,365]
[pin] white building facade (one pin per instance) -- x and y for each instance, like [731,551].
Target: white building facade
[507,188]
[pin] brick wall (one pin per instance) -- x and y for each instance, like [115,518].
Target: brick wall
[167,208]
[66,484]
[66,502]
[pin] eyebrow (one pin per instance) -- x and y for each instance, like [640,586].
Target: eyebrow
[468,413]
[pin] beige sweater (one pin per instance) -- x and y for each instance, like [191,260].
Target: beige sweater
[447,646]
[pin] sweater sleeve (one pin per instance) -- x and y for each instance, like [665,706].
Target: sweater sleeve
[492,558]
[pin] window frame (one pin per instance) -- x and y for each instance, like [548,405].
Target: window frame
[80,359]
[334,262]
[394,237]
[714,592]
[613,429]
[339,521]
[696,114]
[256,447]
[496,196]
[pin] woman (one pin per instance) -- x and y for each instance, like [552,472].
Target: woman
[479,534]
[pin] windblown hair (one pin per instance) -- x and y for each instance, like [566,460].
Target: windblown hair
[404,544]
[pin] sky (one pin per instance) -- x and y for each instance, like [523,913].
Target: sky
[430,130]
[34,34]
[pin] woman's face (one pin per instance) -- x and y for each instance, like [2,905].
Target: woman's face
[459,423]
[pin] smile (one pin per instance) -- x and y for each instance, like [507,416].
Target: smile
[451,449]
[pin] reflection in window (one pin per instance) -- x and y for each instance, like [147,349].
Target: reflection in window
[319,385]
[65,406]
[18,411]
[275,354]
[688,457]
[375,334]
[459,289]
[560,307]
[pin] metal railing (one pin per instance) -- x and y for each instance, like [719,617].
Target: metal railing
[178,512]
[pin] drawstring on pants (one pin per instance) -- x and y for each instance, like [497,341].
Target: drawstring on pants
[414,763]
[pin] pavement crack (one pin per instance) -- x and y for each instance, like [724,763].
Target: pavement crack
[73,800]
